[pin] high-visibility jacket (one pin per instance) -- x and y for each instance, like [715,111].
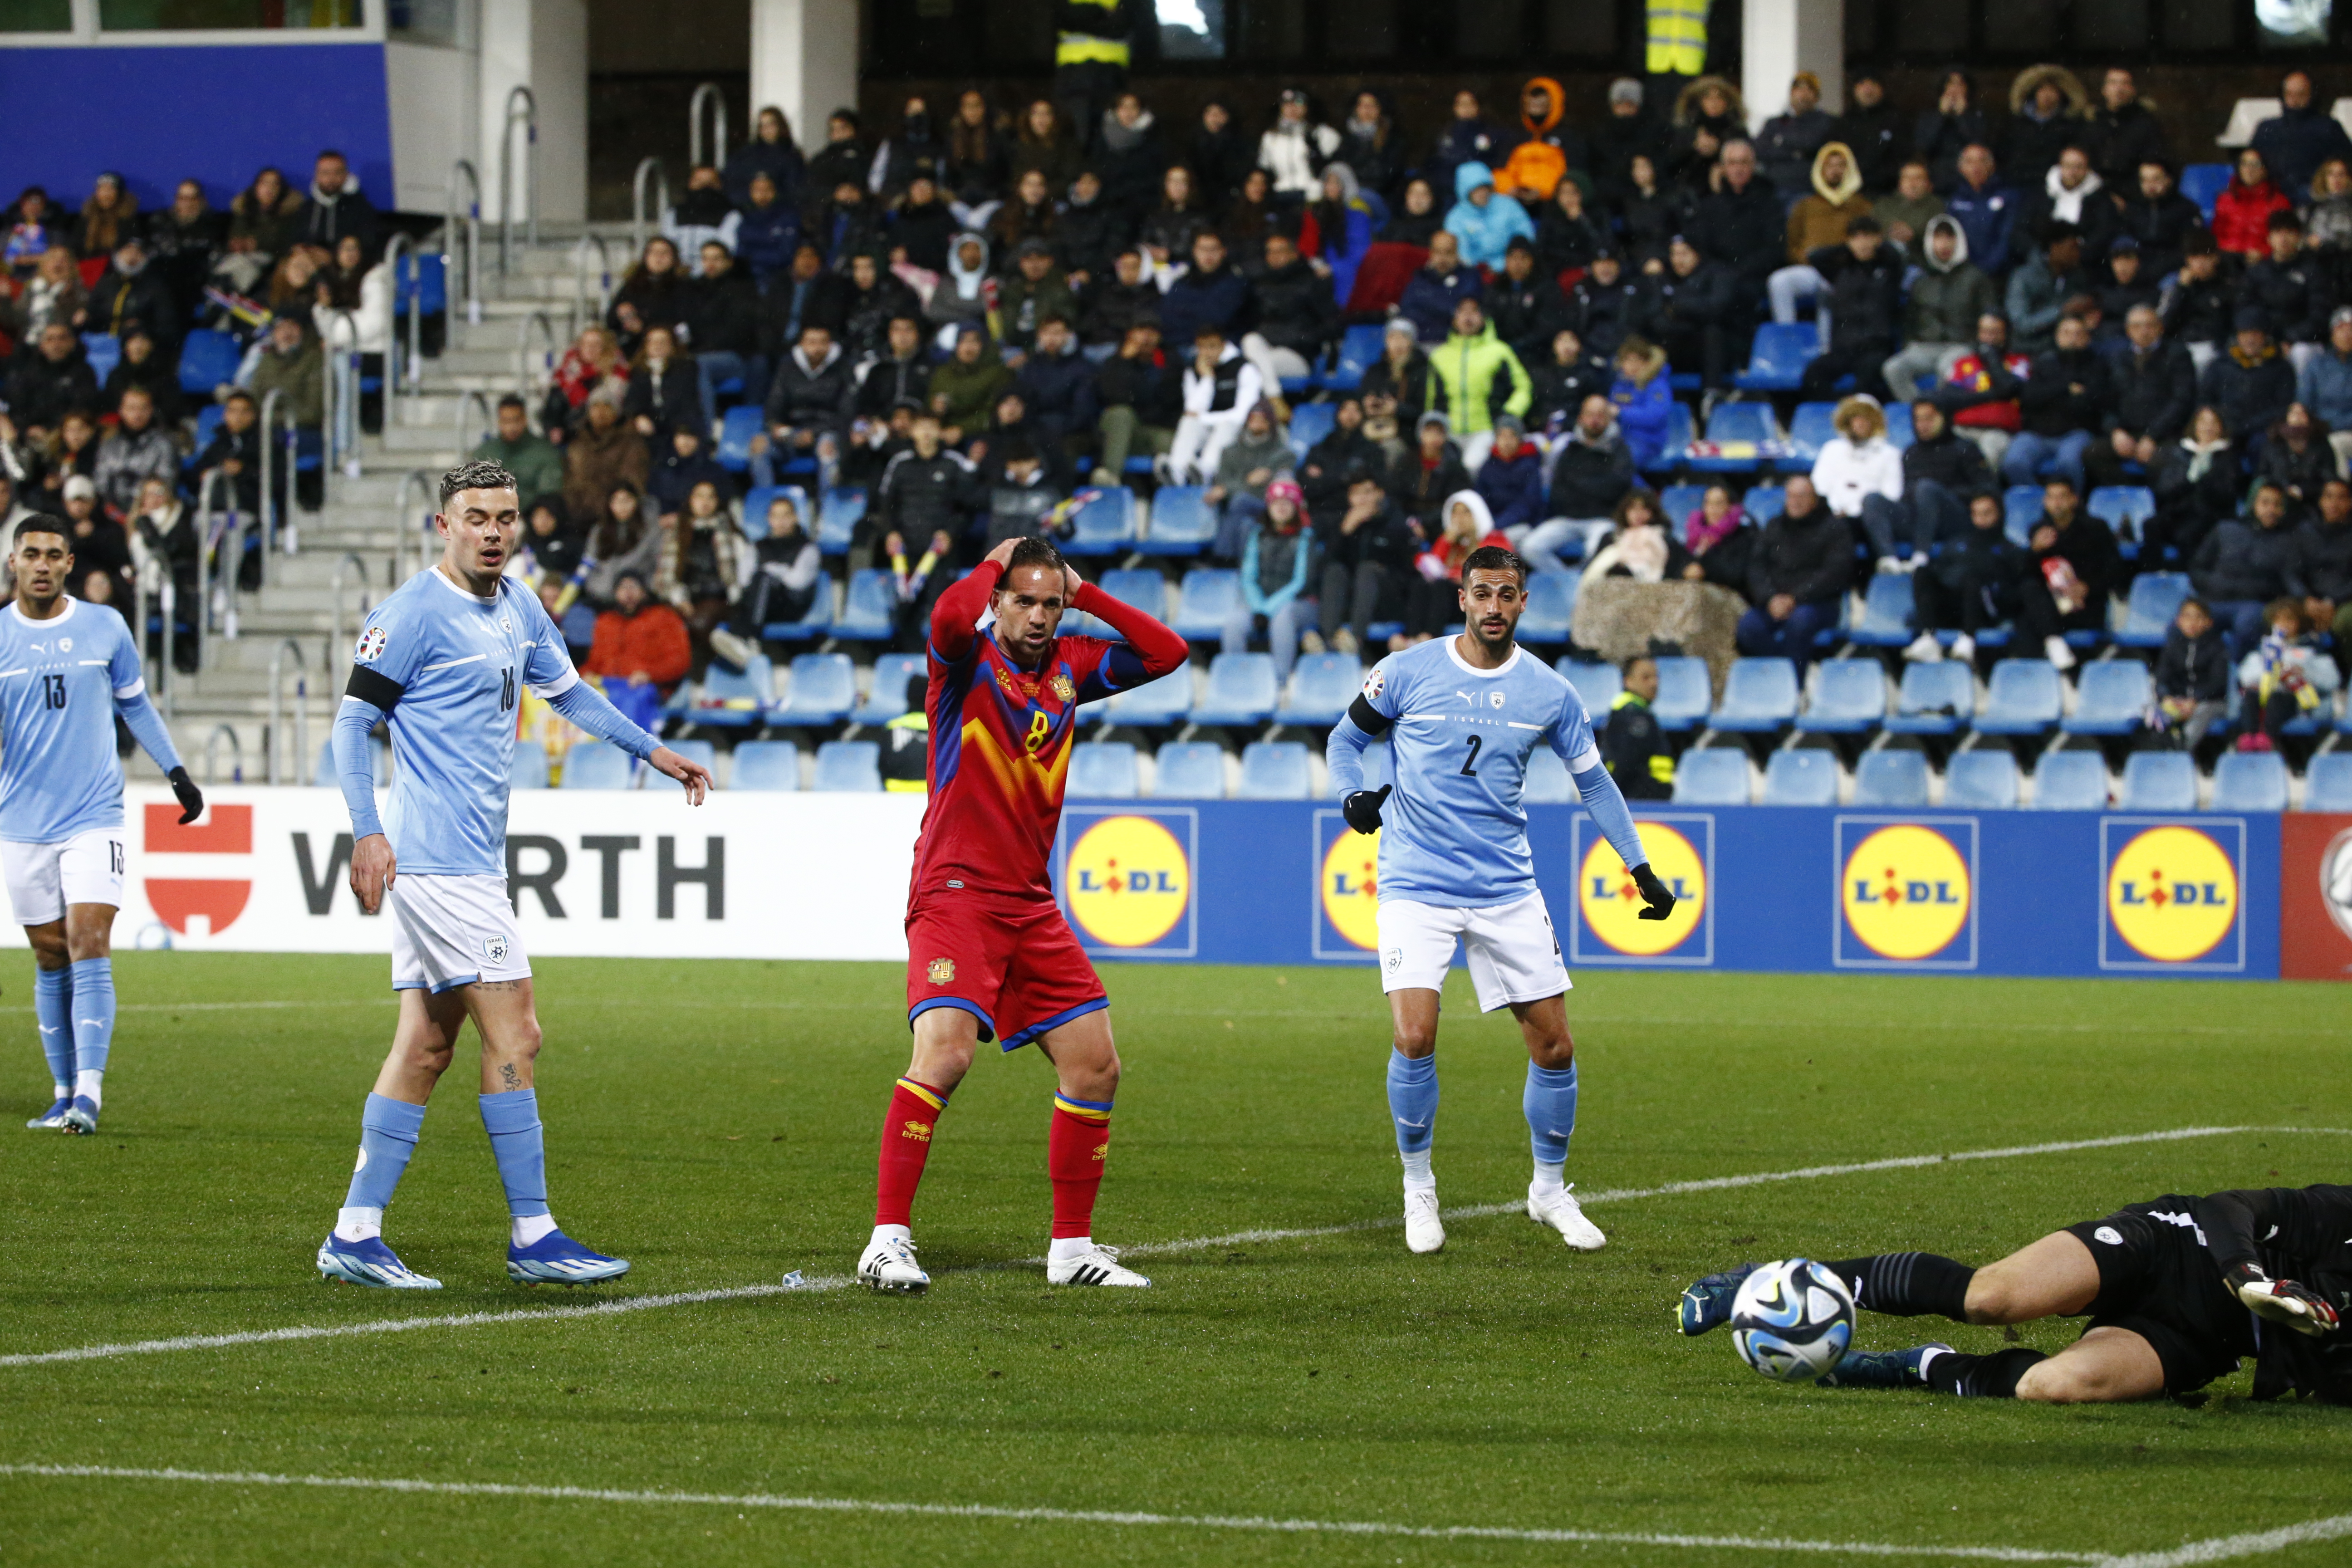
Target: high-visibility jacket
[906,754]
[1636,753]
[1678,32]
[1093,32]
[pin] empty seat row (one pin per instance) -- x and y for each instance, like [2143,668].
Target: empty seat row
[1990,780]
[847,767]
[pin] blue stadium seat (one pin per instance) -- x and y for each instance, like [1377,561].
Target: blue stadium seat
[2327,786]
[208,422]
[1551,599]
[1597,684]
[1141,587]
[823,689]
[1717,776]
[773,767]
[1360,350]
[1154,704]
[1678,440]
[839,515]
[701,752]
[2020,505]
[1886,612]
[1190,770]
[2147,616]
[2112,695]
[1762,503]
[2023,699]
[1981,781]
[1848,697]
[1309,423]
[2122,507]
[848,767]
[1801,778]
[2203,183]
[1686,692]
[1778,357]
[871,614]
[810,627]
[207,359]
[1761,696]
[1322,687]
[736,428]
[527,769]
[1734,423]
[423,282]
[2249,780]
[1899,433]
[734,701]
[1892,780]
[1275,769]
[756,501]
[1934,699]
[1240,691]
[885,694]
[2070,781]
[596,764]
[1103,770]
[103,351]
[1104,525]
[1809,431]
[1204,600]
[2158,780]
[1678,501]
[1548,782]
[1182,522]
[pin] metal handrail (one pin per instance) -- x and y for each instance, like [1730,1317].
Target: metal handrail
[708,92]
[143,595]
[229,548]
[212,754]
[277,529]
[473,290]
[638,203]
[336,643]
[579,280]
[170,599]
[407,526]
[466,403]
[412,363]
[530,118]
[527,384]
[342,389]
[278,710]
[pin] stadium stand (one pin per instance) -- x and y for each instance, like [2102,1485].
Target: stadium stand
[1981,781]
[769,765]
[2070,781]
[1712,776]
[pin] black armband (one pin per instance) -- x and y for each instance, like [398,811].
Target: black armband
[370,686]
[1367,718]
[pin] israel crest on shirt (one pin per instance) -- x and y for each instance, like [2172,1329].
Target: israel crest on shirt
[371,645]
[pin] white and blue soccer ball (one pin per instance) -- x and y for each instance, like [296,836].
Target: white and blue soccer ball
[1792,1321]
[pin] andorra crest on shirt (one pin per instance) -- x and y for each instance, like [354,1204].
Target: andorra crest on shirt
[1065,689]
[941,971]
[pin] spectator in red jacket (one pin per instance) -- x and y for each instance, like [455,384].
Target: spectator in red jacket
[639,641]
[2241,213]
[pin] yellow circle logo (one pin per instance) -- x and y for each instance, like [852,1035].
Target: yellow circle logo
[1352,887]
[1907,892]
[1612,905]
[1127,881]
[2172,894]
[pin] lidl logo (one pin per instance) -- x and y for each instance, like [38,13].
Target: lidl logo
[1907,892]
[1611,905]
[1351,887]
[2172,893]
[1126,881]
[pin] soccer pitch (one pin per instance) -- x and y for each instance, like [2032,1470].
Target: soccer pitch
[1294,1387]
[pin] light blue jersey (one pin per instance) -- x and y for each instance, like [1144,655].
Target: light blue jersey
[60,682]
[1454,831]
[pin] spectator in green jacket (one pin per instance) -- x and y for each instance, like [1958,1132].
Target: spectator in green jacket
[1471,366]
[537,466]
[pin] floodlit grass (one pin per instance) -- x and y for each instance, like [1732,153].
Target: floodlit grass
[716,1123]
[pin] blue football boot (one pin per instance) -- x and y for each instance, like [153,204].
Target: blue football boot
[1882,1369]
[53,1120]
[1706,1303]
[369,1263]
[81,1116]
[556,1259]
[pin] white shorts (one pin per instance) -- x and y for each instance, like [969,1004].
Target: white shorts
[1513,955]
[43,878]
[448,931]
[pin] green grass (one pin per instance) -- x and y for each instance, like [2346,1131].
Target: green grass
[716,1122]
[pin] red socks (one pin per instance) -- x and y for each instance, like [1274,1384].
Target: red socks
[906,1141]
[1075,1153]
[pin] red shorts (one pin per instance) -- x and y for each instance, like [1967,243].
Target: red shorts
[1010,962]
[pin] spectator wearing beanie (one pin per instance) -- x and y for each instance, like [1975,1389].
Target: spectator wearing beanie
[1862,281]
[2039,289]
[1791,145]
[1874,129]
[1628,131]
[2252,383]
[2201,305]
[1402,372]
[2289,285]
[1278,562]
[1511,480]
[2128,287]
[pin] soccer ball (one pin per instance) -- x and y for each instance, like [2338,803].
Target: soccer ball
[1792,1319]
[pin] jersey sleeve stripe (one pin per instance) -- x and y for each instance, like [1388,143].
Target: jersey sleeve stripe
[1585,760]
[125,693]
[557,688]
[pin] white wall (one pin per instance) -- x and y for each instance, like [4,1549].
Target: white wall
[435,121]
[1781,38]
[541,45]
[804,61]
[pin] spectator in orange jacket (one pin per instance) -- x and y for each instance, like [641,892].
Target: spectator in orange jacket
[639,641]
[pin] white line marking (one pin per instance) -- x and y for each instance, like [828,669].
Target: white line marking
[1052,1515]
[2221,1549]
[1149,1250]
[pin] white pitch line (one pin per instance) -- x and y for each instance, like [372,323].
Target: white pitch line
[1150,1249]
[1057,1515]
[2254,1543]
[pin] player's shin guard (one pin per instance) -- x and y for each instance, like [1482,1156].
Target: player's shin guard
[1993,1376]
[388,1133]
[1549,1103]
[1412,1104]
[915,1110]
[519,1143]
[1076,1151]
[92,1009]
[1908,1284]
[53,1012]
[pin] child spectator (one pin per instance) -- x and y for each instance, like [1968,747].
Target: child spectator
[2192,675]
[1643,394]
[2287,677]
[1277,557]
[1433,602]
[1511,481]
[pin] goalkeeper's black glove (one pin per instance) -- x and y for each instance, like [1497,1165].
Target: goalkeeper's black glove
[1362,809]
[1654,893]
[192,799]
[2282,1301]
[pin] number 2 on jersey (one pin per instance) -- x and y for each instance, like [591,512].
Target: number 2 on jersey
[1470,762]
[53,691]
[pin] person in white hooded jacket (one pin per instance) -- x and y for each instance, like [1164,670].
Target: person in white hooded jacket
[1221,387]
[962,294]
[1859,474]
[1293,151]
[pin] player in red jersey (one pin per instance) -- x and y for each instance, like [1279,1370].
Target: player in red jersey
[989,955]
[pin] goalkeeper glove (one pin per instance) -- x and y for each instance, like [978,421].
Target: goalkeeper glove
[1654,893]
[2282,1301]
[1362,809]
[192,799]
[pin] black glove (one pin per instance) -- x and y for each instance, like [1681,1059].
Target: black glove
[1362,809]
[1654,893]
[192,799]
[2282,1301]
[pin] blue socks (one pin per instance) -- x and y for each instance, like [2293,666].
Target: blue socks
[1412,1103]
[1550,1106]
[388,1133]
[513,1121]
[92,1012]
[52,1009]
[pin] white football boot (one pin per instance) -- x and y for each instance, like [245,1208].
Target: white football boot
[1097,1265]
[1423,1231]
[889,1265]
[1560,1211]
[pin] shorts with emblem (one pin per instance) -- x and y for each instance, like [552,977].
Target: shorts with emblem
[2157,1279]
[43,878]
[1514,952]
[1012,963]
[448,931]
